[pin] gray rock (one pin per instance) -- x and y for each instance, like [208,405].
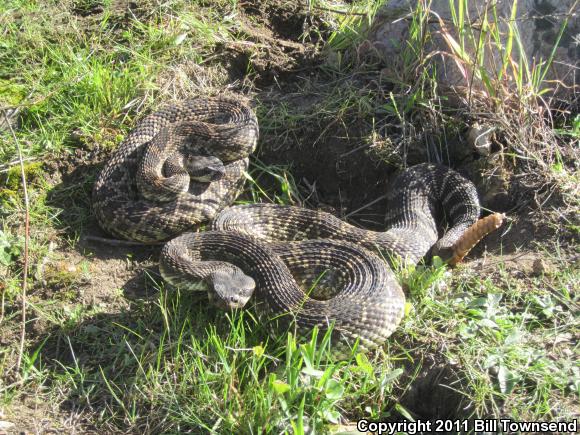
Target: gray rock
[538,24]
[479,138]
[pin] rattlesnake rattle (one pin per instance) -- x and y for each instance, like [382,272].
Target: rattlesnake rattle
[147,192]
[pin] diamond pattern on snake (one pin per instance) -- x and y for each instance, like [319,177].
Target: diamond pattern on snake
[184,165]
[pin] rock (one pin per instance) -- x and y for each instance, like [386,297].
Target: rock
[479,138]
[538,24]
[5,425]
[542,267]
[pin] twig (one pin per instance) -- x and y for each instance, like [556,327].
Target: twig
[17,383]
[2,299]
[380,198]
[26,241]
[337,11]
[117,242]
[348,153]
[7,166]
[259,36]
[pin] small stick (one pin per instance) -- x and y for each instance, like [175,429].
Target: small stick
[374,201]
[7,166]
[118,242]
[337,11]
[26,242]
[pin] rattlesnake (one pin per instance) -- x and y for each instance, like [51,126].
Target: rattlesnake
[221,132]
[278,251]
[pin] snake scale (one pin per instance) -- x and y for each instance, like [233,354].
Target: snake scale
[157,154]
[184,165]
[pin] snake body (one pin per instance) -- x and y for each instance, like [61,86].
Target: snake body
[273,252]
[281,247]
[367,308]
[153,157]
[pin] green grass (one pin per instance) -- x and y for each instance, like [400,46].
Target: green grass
[107,339]
[497,325]
[170,363]
[215,373]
